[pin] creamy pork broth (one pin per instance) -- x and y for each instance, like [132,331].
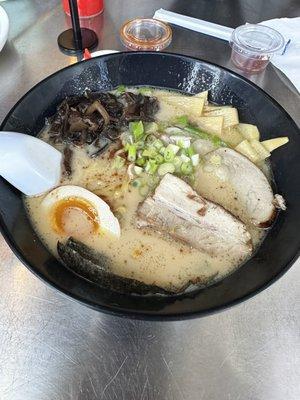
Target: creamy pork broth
[142,254]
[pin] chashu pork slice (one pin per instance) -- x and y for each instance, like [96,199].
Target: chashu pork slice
[176,209]
[231,180]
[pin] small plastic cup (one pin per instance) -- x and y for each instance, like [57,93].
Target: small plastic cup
[86,8]
[253,46]
[145,34]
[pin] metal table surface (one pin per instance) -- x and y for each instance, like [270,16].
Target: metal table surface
[53,348]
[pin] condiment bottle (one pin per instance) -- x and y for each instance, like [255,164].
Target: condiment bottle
[86,8]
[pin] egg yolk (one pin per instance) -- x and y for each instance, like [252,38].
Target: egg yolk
[74,216]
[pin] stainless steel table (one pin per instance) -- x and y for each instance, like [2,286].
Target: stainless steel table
[52,348]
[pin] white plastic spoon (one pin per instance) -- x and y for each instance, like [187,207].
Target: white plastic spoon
[28,163]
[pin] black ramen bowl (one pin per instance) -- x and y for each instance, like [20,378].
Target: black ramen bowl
[277,252]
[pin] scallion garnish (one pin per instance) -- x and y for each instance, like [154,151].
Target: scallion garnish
[169,155]
[195,159]
[190,151]
[183,142]
[121,89]
[149,152]
[150,155]
[182,121]
[151,167]
[207,136]
[137,170]
[131,156]
[150,127]
[184,158]
[186,168]
[159,159]
[177,163]
[158,144]
[137,130]
[166,168]
[173,148]
[145,91]
[141,161]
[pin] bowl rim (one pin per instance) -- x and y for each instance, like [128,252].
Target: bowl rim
[136,314]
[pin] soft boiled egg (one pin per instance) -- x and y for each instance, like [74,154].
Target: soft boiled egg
[75,211]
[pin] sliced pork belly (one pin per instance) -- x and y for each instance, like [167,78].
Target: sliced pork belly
[231,180]
[176,209]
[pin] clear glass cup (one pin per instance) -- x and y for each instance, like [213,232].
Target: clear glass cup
[253,45]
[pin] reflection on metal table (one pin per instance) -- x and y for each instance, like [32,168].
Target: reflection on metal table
[54,348]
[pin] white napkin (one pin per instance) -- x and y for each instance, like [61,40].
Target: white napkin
[289,61]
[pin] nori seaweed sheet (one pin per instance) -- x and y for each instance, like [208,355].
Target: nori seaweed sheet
[94,267]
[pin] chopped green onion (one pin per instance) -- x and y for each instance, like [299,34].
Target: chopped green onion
[184,152]
[149,152]
[162,150]
[170,151]
[186,168]
[173,148]
[207,136]
[195,159]
[140,161]
[151,167]
[158,144]
[126,147]
[169,155]
[145,91]
[185,158]
[126,137]
[183,142]
[150,139]
[190,151]
[121,89]
[217,142]
[131,156]
[137,170]
[183,120]
[166,168]
[159,159]
[177,163]
[150,127]
[118,162]
[139,145]
[137,129]
[136,183]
